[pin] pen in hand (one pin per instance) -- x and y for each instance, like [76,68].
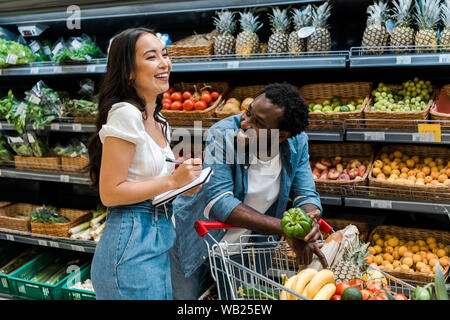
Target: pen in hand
[174,161]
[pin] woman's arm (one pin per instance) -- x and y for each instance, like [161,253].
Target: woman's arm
[115,190]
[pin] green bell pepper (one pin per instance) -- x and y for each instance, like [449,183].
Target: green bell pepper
[296,223]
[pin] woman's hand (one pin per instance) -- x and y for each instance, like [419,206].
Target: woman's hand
[186,172]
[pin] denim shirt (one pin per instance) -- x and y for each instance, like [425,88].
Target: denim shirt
[228,186]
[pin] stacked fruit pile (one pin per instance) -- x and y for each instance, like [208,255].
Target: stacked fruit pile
[391,253]
[234,106]
[191,99]
[397,167]
[335,168]
[310,283]
[414,95]
[336,104]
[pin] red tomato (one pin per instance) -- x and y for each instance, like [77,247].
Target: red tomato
[166,95]
[188,105]
[336,297]
[206,97]
[215,95]
[176,96]
[365,294]
[356,283]
[341,287]
[166,106]
[379,297]
[400,296]
[176,105]
[167,101]
[187,95]
[375,286]
[171,89]
[200,105]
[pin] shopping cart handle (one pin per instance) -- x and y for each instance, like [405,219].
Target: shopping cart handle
[202,226]
[324,227]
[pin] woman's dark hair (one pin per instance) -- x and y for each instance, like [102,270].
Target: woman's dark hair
[115,87]
[296,111]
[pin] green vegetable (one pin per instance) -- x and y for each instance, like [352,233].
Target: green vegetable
[23,53]
[421,293]
[47,215]
[257,292]
[18,261]
[351,293]
[296,223]
[344,109]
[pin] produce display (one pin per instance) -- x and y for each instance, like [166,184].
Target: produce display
[92,229]
[335,104]
[335,168]
[397,167]
[392,253]
[234,106]
[86,285]
[75,50]
[74,149]
[296,223]
[47,215]
[12,263]
[14,53]
[190,99]
[412,96]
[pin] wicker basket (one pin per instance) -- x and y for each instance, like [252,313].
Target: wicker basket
[86,119]
[74,164]
[408,191]
[339,224]
[391,116]
[62,229]
[187,118]
[239,93]
[412,234]
[37,163]
[346,90]
[16,216]
[184,47]
[362,151]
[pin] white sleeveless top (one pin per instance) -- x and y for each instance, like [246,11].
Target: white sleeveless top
[125,122]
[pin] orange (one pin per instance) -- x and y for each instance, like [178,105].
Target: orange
[379,242]
[421,243]
[419,265]
[375,237]
[408,261]
[416,258]
[404,267]
[398,154]
[388,257]
[371,250]
[440,253]
[396,263]
[402,250]
[408,254]
[385,262]
[389,266]
[415,248]
[396,255]
[378,259]
[432,262]
[369,259]
[389,249]
[377,249]
[432,245]
[443,261]
[431,256]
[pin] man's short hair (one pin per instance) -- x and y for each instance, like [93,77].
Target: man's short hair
[296,111]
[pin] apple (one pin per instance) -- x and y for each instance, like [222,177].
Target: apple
[344,176]
[333,174]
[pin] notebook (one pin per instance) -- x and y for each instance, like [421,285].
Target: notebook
[171,194]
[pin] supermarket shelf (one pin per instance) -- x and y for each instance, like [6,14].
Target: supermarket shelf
[408,57]
[331,200]
[52,68]
[325,135]
[146,9]
[47,241]
[57,126]
[395,136]
[44,176]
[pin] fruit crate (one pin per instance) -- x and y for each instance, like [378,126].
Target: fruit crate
[362,151]
[62,229]
[189,47]
[37,163]
[346,90]
[393,115]
[73,164]
[407,191]
[78,294]
[412,234]
[442,103]
[239,93]
[37,290]
[206,116]
[16,216]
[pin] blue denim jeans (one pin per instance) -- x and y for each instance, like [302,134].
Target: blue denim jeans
[131,260]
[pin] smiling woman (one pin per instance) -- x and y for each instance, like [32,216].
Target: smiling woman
[127,162]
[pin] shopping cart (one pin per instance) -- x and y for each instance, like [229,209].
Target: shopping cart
[257,266]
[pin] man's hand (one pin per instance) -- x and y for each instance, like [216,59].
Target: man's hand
[314,234]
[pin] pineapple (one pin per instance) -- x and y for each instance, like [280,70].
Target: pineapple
[247,41]
[320,40]
[403,33]
[376,34]
[444,38]
[427,18]
[301,19]
[352,265]
[278,41]
[225,25]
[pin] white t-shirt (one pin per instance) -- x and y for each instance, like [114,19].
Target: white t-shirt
[125,122]
[262,191]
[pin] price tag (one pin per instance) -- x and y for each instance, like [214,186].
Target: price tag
[434,128]
[54,126]
[64,178]
[9,237]
[34,70]
[11,58]
[90,68]
[57,69]
[381,204]
[77,127]
[374,136]
[232,64]
[403,59]
[42,242]
[54,244]
[423,137]
[77,248]
[444,58]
